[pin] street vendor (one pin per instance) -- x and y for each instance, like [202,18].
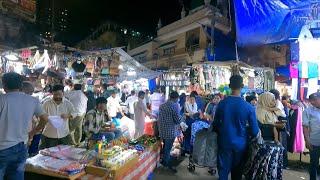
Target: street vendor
[98,125]
[60,111]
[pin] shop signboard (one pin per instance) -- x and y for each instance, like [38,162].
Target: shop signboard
[25,9]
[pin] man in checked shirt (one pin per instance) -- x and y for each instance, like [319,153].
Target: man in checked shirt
[169,124]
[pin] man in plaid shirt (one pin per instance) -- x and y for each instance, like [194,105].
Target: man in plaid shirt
[169,123]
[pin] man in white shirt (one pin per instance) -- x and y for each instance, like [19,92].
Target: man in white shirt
[60,111]
[113,106]
[79,101]
[140,112]
[130,103]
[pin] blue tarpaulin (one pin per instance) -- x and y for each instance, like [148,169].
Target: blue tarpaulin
[272,21]
[224,46]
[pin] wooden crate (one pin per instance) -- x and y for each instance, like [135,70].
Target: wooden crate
[112,174]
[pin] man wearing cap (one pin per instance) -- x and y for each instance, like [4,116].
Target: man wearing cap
[311,129]
[79,101]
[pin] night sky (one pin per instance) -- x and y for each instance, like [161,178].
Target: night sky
[142,15]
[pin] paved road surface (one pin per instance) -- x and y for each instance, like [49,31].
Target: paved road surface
[202,174]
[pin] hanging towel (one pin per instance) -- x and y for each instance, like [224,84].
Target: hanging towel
[303,69]
[299,142]
[312,70]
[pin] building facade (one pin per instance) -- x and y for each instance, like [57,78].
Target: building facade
[182,42]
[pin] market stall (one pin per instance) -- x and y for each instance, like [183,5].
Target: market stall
[214,76]
[175,79]
[119,159]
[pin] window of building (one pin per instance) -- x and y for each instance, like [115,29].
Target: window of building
[193,40]
[169,51]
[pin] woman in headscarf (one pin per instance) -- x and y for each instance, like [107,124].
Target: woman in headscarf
[267,115]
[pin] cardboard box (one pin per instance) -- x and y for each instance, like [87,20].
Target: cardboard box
[112,174]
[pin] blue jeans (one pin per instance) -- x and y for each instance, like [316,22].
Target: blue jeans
[229,160]
[12,162]
[314,162]
[167,159]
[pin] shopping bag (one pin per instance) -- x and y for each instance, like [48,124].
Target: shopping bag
[205,148]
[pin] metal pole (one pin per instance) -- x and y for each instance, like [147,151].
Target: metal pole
[213,22]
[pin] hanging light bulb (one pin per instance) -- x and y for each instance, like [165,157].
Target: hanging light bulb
[120,67]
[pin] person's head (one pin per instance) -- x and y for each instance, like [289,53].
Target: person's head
[252,100]
[174,96]
[27,88]
[104,86]
[236,83]
[315,99]
[192,99]
[285,100]
[147,91]
[141,95]
[113,93]
[194,93]
[133,92]
[101,103]
[57,92]
[267,100]
[12,82]
[216,99]
[77,87]
[276,93]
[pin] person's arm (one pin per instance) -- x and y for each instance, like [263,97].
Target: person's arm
[145,110]
[306,129]
[187,109]
[71,112]
[40,113]
[253,123]
[176,116]
[276,135]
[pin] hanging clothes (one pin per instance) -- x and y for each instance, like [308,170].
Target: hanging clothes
[295,87]
[294,70]
[312,86]
[299,143]
[312,70]
[303,69]
[293,116]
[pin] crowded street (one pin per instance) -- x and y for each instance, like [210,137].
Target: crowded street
[160,90]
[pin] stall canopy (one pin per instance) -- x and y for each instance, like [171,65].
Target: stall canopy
[130,69]
[129,63]
[272,21]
